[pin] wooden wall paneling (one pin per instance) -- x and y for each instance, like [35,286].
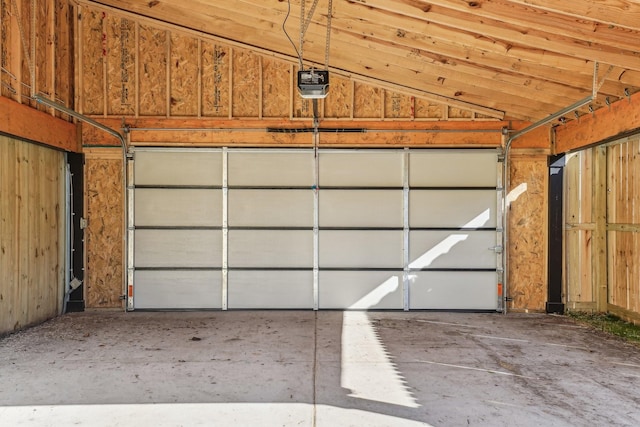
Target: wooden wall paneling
[623,226]
[199,88]
[527,236]
[94,54]
[32,242]
[152,76]
[8,236]
[28,70]
[425,109]
[367,101]
[276,78]
[578,198]
[397,105]
[43,37]
[215,79]
[5,78]
[459,113]
[15,52]
[63,54]
[104,238]
[600,230]
[136,70]
[121,60]
[246,89]
[184,76]
[338,103]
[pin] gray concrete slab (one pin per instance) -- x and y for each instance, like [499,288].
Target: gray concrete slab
[290,368]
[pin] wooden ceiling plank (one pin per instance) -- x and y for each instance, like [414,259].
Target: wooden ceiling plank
[555,93]
[511,33]
[418,91]
[263,33]
[619,13]
[348,16]
[546,21]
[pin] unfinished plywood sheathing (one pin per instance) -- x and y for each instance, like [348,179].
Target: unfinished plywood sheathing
[35,43]
[276,75]
[32,243]
[152,76]
[120,62]
[579,231]
[103,235]
[184,100]
[257,86]
[215,80]
[528,223]
[93,56]
[63,49]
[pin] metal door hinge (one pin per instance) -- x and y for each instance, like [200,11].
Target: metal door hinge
[83,223]
[496,249]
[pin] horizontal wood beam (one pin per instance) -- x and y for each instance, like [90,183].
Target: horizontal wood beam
[24,122]
[604,124]
[335,133]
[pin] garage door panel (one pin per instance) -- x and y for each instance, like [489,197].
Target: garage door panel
[178,207]
[451,168]
[186,289]
[452,249]
[452,208]
[361,248]
[270,248]
[361,290]
[271,168]
[271,208]
[178,168]
[453,290]
[361,169]
[273,289]
[178,248]
[361,208]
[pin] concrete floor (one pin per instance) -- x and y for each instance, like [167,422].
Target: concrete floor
[326,369]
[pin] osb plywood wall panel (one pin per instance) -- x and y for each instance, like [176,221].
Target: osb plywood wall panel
[32,240]
[188,74]
[215,79]
[339,103]
[103,236]
[276,76]
[121,56]
[36,51]
[152,75]
[184,76]
[92,76]
[580,226]
[246,87]
[367,101]
[397,105]
[623,224]
[527,233]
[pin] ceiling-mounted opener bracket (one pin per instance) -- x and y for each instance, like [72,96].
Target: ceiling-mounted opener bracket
[313,84]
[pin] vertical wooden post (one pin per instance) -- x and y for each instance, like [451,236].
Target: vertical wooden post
[600,233]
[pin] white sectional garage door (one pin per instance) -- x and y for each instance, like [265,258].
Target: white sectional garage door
[280,229]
